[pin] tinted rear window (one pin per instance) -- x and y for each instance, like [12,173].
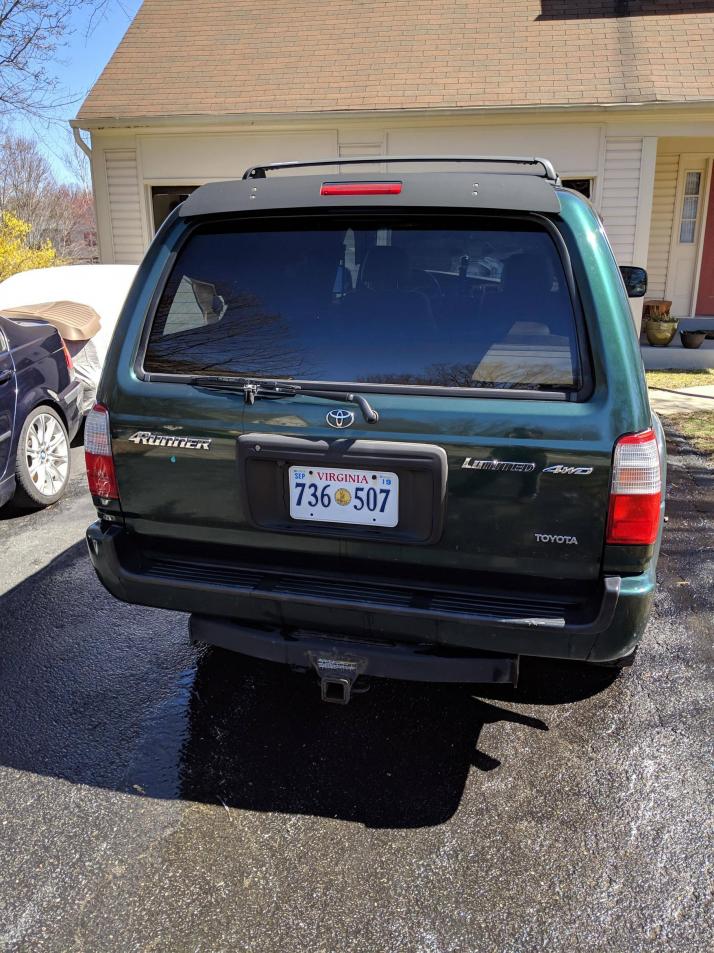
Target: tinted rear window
[360,301]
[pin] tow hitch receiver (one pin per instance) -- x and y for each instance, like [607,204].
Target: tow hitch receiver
[337,677]
[343,665]
[336,690]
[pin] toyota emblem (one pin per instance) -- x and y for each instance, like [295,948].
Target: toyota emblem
[340,418]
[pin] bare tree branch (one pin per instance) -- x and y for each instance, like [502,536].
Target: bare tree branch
[31,34]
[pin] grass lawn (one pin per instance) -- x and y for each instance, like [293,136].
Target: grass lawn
[698,429]
[679,380]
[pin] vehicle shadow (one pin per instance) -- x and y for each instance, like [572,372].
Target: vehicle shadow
[258,737]
[97,692]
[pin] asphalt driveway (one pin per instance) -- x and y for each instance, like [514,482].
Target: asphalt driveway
[157,797]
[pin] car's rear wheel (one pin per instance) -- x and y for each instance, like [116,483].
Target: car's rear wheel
[43,460]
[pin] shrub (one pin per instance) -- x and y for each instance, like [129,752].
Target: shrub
[15,252]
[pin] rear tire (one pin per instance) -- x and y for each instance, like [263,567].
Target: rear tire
[43,463]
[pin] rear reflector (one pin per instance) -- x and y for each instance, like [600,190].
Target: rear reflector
[361,188]
[636,491]
[98,454]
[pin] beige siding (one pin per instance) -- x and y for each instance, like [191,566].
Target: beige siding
[665,191]
[124,206]
[357,149]
[363,148]
[572,150]
[620,195]
[192,158]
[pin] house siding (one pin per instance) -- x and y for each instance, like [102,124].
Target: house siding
[665,191]
[127,235]
[621,195]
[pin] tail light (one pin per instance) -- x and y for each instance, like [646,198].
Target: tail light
[361,188]
[98,454]
[636,491]
[68,357]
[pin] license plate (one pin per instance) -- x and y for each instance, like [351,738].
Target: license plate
[365,497]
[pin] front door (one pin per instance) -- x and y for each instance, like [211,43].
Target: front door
[705,295]
[684,251]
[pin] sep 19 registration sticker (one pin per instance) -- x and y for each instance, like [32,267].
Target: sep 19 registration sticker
[338,495]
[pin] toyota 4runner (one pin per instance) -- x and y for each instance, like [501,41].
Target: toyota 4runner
[389,424]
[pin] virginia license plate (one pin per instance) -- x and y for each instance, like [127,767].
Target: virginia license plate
[365,497]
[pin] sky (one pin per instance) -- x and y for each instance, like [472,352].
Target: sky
[76,66]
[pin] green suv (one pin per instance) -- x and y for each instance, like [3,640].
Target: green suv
[389,424]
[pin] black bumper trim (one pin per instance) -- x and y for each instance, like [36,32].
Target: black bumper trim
[310,650]
[141,573]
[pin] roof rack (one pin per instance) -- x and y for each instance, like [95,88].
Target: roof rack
[549,173]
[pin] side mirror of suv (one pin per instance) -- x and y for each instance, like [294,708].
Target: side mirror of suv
[635,281]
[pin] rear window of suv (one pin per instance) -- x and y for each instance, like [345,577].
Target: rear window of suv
[370,301]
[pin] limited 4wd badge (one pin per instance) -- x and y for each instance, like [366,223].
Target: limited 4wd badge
[148,439]
[517,466]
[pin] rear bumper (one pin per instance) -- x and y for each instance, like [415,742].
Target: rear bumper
[605,627]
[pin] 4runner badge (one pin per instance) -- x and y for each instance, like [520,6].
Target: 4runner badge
[147,439]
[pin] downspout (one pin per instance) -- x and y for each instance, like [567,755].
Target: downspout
[81,143]
[87,150]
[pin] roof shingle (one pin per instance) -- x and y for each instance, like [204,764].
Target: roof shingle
[187,58]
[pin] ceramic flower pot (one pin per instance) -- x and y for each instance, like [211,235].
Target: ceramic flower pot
[692,339]
[660,333]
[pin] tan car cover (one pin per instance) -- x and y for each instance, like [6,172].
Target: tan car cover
[74,321]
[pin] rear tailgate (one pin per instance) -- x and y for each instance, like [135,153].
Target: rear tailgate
[465,335]
[526,485]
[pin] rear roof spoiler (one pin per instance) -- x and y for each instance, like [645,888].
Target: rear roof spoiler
[508,183]
[258,171]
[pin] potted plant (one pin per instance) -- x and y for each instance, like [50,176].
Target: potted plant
[660,326]
[692,339]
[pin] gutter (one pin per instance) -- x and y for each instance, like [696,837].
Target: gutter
[211,119]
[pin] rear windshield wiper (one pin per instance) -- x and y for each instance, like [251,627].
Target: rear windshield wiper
[273,389]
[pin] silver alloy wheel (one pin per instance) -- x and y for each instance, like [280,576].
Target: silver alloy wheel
[47,452]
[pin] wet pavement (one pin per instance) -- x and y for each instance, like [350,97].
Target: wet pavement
[158,797]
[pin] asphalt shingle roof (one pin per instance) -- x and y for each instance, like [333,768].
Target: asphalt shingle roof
[198,57]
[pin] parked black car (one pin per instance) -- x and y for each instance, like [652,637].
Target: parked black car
[40,412]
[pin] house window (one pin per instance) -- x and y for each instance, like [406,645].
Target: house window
[584,186]
[165,198]
[690,208]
